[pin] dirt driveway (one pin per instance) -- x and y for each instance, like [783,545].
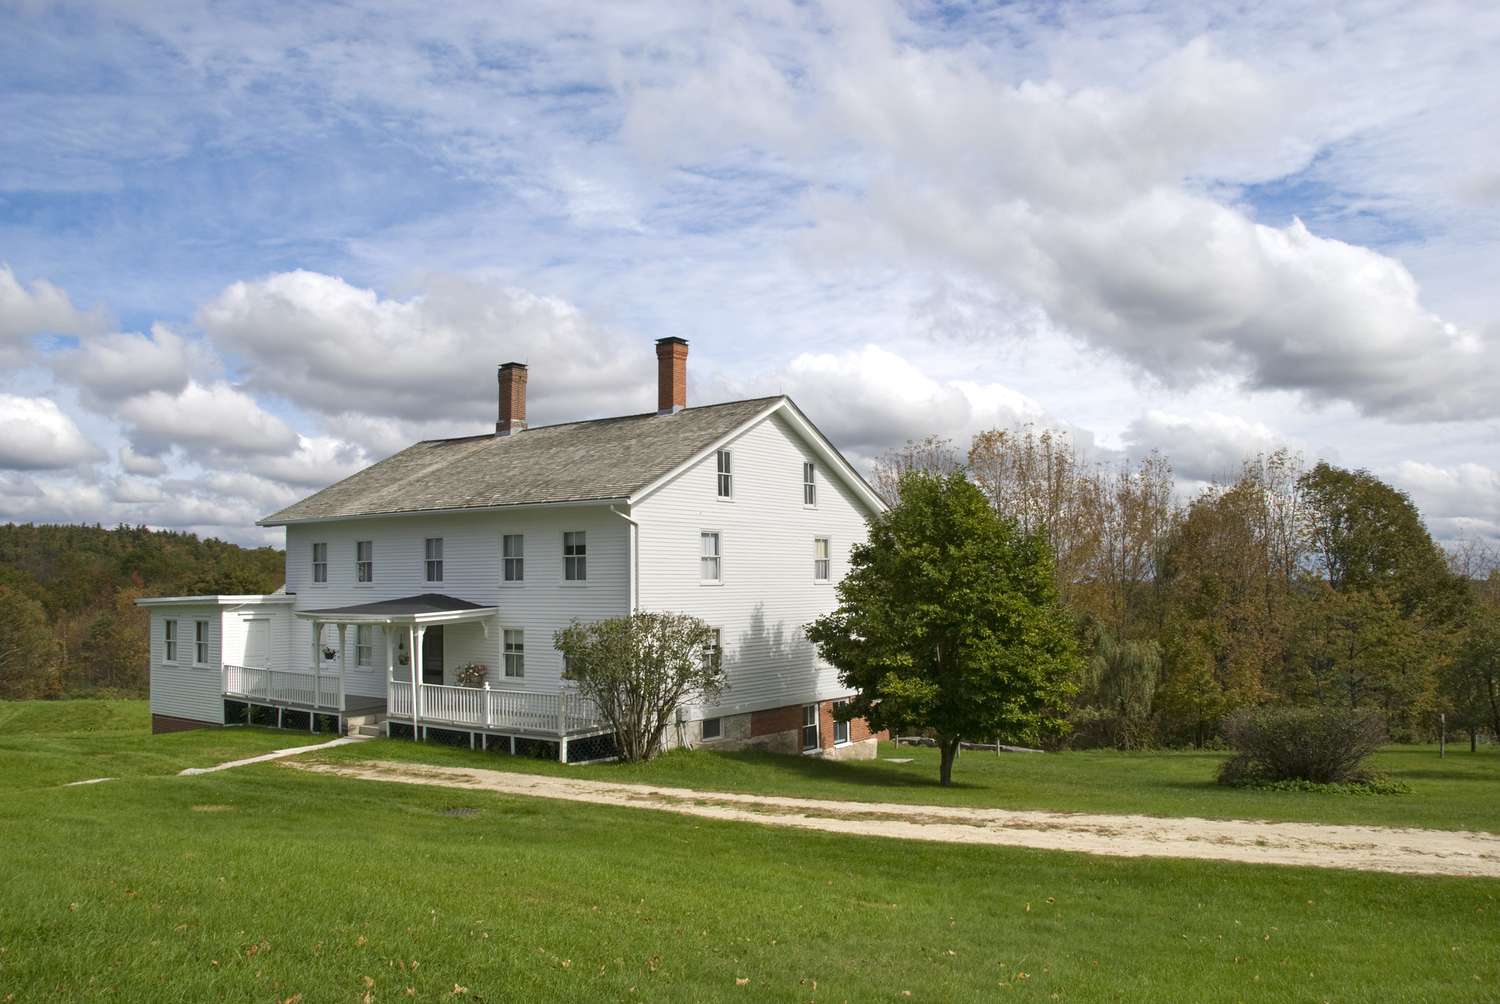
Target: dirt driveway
[1367,848]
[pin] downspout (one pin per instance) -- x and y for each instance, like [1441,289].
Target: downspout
[635,550]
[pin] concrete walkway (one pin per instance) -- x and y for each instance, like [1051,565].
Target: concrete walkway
[1365,848]
[273,755]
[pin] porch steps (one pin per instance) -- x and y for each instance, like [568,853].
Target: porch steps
[364,725]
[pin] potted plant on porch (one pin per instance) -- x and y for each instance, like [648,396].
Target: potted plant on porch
[472,675]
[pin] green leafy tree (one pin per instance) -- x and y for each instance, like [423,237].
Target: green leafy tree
[949,620]
[28,653]
[1471,679]
[1117,690]
[639,669]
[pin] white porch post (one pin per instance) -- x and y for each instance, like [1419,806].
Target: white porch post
[390,662]
[416,694]
[317,645]
[343,660]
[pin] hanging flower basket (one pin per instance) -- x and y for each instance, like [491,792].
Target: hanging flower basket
[329,652]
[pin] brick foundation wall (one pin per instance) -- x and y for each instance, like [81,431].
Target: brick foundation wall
[167,723]
[783,719]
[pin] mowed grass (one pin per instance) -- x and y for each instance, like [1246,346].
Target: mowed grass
[1459,792]
[55,742]
[264,882]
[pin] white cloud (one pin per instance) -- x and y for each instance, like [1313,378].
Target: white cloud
[334,348]
[119,365]
[1204,447]
[39,436]
[1458,501]
[132,462]
[42,309]
[213,418]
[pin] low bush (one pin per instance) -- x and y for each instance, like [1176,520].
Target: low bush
[1317,745]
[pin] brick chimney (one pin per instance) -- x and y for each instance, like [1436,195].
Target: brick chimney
[671,375]
[512,399]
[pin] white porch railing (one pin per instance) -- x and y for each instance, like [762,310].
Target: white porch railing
[501,710]
[278,686]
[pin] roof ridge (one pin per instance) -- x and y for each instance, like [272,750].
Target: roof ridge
[602,418]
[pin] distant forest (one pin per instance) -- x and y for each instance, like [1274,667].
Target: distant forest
[69,625]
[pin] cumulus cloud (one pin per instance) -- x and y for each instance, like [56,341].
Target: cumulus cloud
[132,462]
[39,436]
[212,418]
[1204,447]
[41,309]
[1458,501]
[113,366]
[334,348]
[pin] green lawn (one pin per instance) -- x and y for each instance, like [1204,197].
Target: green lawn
[262,883]
[1460,792]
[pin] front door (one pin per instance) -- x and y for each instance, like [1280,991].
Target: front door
[258,643]
[432,655]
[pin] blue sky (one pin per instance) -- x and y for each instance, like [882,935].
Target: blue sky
[249,247]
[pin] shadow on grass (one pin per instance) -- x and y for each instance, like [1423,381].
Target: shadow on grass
[862,774]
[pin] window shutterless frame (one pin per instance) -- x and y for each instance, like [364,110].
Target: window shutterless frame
[200,643]
[712,728]
[725,462]
[575,556]
[169,640]
[840,729]
[515,654]
[364,646]
[809,727]
[433,567]
[513,557]
[821,563]
[809,483]
[710,561]
[364,561]
[320,562]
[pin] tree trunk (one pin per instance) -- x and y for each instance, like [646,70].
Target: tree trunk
[1473,740]
[949,749]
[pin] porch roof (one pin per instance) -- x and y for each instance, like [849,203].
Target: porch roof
[427,608]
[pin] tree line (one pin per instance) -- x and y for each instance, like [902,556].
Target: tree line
[1283,584]
[69,625]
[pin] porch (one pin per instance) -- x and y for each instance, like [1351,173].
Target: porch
[562,717]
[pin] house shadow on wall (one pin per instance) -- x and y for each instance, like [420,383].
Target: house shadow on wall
[782,654]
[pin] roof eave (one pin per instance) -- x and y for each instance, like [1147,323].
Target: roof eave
[271,521]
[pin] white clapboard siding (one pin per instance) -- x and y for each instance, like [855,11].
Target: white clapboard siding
[539,605]
[767,593]
[182,689]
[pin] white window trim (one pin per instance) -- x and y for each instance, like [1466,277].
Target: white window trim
[312,572]
[428,561]
[720,580]
[704,722]
[207,643]
[365,666]
[175,646]
[725,451]
[817,727]
[848,732]
[370,582]
[829,577]
[513,583]
[562,574]
[505,654]
[719,632]
[809,467]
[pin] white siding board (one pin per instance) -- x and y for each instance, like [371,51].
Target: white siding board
[183,690]
[767,593]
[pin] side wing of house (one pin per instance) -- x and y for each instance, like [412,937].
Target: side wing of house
[757,560]
[186,682]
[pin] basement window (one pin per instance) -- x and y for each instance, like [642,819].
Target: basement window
[809,727]
[840,729]
[712,728]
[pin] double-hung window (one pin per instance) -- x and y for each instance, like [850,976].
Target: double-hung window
[169,640]
[575,556]
[840,729]
[364,646]
[809,726]
[820,559]
[364,561]
[320,562]
[200,643]
[434,567]
[513,557]
[726,474]
[809,483]
[708,563]
[515,653]
[713,649]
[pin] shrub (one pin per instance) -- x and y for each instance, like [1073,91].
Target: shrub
[1320,745]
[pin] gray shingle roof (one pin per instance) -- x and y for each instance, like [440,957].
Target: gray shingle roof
[608,458]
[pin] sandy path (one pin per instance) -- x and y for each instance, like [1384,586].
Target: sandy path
[1367,848]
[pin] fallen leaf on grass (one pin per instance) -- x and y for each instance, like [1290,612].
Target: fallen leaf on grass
[459,990]
[742,981]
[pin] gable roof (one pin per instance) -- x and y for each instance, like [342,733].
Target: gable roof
[608,459]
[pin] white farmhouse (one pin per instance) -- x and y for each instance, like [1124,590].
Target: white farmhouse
[472,552]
